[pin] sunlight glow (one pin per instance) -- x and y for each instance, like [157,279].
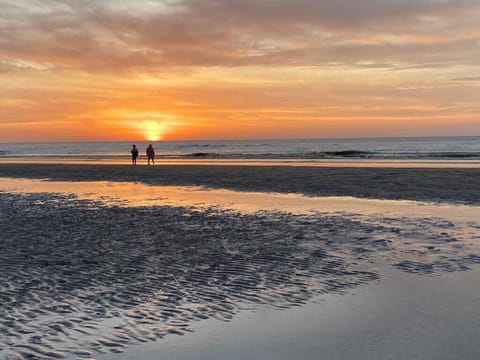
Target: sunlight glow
[149,125]
[153,130]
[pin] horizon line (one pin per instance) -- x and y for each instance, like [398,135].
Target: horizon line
[232,140]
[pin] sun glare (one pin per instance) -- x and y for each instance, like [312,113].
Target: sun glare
[153,130]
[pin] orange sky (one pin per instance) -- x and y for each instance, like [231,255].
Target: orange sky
[227,69]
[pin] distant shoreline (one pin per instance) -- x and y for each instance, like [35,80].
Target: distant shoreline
[423,184]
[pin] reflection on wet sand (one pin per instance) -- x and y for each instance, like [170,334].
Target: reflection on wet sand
[129,194]
[94,267]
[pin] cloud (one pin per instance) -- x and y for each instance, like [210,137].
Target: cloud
[468,79]
[106,36]
[327,13]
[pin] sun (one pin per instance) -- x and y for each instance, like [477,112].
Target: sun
[153,130]
[151,126]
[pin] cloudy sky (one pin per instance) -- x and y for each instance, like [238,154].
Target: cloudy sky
[230,69]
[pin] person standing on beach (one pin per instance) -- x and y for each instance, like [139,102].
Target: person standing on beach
[151,154]
[134,152]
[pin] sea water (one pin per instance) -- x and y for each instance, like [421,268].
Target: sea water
[426,148]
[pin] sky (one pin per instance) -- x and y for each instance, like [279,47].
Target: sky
[83,70]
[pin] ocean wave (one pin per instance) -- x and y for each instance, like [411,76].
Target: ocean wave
[457,155]
[292,155]
[202,146]
[352,154]
[303,153]
[431,155]
[347,153]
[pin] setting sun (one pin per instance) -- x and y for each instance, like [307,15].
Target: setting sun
[147,125]
[153,130]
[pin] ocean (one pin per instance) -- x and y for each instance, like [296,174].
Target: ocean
[425,148]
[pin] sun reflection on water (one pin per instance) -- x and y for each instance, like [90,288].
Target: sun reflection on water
[128,194]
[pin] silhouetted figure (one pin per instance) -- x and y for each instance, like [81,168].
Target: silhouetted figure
[151,154]
[134,152]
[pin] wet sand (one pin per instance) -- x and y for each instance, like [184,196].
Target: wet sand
[91,278]
[425,184]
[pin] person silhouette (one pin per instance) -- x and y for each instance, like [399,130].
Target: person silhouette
[134,153]
[151,154]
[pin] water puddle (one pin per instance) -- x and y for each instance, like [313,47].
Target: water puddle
[127,194]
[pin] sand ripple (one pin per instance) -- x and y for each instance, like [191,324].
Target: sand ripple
[78,278]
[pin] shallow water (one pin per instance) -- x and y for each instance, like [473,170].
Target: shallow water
[407,317]
[95,269]
[128,194]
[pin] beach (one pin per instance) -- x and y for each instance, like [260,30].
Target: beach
[112,261]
